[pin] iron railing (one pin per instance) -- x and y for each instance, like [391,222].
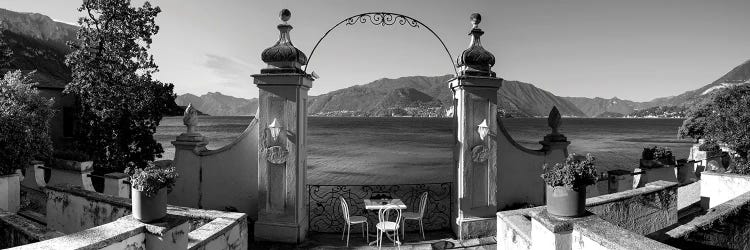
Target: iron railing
[324,211]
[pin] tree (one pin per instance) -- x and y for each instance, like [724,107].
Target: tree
[725,117]
[119,103]
[24,123]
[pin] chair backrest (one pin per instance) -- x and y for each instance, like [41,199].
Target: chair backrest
[345,209]
[422,204]
[385,212]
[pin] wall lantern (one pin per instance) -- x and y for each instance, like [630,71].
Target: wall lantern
[483,129]
[275,128]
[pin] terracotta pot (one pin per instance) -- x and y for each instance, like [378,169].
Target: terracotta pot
[149,209]
[566,202]
[10,192]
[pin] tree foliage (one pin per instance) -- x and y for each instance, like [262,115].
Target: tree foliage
[119,103]
[724,117]
[24,123]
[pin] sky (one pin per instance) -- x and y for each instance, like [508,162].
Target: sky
[635,49]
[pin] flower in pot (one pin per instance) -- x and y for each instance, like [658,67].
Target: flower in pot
[149,187]
[72,160]
[566,185]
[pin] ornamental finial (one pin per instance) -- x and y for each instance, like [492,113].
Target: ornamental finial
[190,118]
[475,18]
[285,15]
[554,120]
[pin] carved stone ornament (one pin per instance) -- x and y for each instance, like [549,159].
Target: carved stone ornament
[276,154]
[479,154]
[271,149]
[190,118]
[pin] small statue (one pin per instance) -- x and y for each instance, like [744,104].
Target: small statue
[190,119]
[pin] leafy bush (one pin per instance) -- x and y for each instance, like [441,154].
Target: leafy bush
[723,117]
[662,154]
[709,146]
[575,173]
[24,123]
[71,155]
[151,179]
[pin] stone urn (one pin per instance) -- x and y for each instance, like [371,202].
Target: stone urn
[10,192]
[566,202]
[149,209]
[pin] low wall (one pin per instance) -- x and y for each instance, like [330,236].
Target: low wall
[221,179]
[72,208]
[630,214]
[642,210]
[717,188]
[724,226]
[16,231]
[115,235]
[599,234]
[518,166]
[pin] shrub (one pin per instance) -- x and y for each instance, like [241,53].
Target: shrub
[574,173]
[24,123]
[662,154]
[709,146]
[71,155]
[151,179]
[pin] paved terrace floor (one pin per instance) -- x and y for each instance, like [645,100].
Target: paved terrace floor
[434,240]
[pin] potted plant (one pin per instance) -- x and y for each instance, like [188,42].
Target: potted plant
[656,156]
[149,187]
[72,160]
[566,185]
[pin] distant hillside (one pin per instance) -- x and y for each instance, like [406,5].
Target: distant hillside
[382,96]
[594,107]
[37,43]
[736,76]
[660,112]
[218,104]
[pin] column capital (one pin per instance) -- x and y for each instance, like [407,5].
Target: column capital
[476,81]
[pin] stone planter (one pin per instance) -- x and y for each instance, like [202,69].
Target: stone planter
[80,166]
[149,209]
[566,202]
[10,192]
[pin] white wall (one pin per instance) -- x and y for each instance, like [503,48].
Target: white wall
[717,188]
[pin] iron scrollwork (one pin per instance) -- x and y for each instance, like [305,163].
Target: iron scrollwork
[325,215]
[383,19]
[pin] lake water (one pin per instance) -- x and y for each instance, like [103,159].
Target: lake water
[355,150]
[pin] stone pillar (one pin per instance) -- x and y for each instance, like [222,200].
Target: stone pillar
[475,101]
[10,192]
[187,163]
[34,177]
[114,184]
[282,125]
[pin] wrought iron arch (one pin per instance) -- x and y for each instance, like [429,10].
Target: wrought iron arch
[382,19]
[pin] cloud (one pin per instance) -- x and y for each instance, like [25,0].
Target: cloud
[230,70]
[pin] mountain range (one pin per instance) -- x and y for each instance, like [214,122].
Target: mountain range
[39,43]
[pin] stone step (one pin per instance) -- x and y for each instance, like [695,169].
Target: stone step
[34,216]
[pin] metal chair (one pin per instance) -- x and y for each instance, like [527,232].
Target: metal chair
[385,225]
[350,220]
[416,215]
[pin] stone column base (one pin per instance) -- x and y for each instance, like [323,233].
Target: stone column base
[472,228]
[280,232]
